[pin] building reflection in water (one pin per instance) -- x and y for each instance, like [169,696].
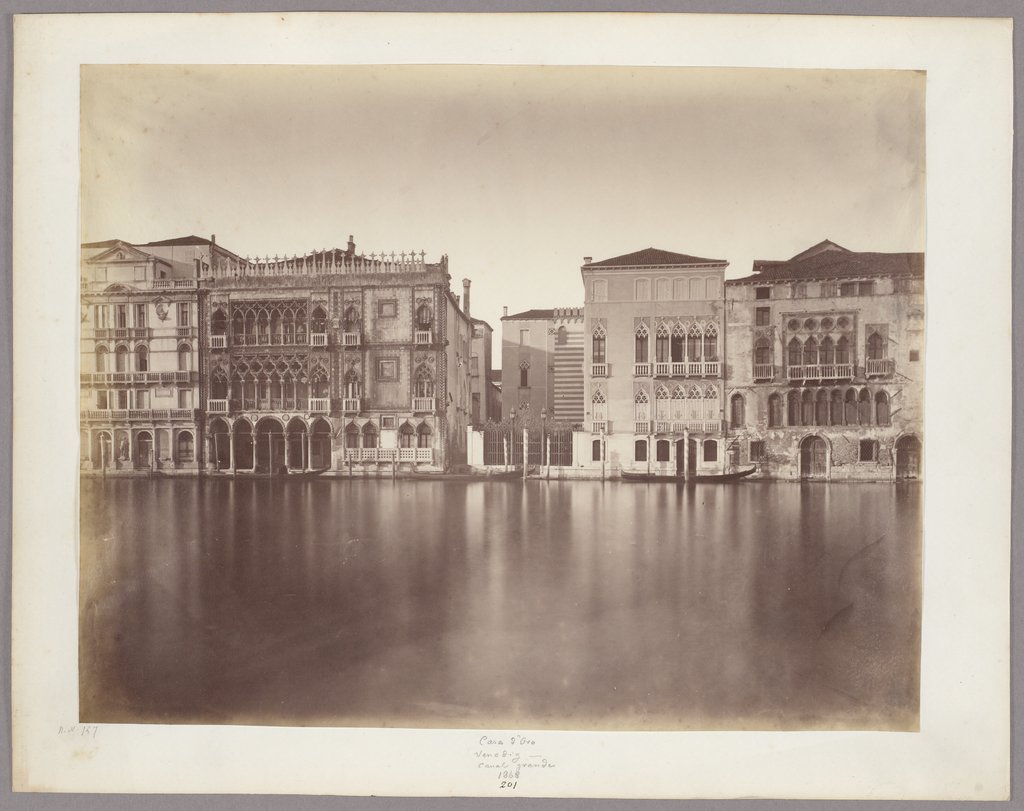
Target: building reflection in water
[549,604]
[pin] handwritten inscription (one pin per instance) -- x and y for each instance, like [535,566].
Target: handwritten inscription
[508,756]
[89,731]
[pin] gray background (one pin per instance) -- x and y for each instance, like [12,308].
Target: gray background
[952,8]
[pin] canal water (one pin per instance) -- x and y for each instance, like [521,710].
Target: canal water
[575,605]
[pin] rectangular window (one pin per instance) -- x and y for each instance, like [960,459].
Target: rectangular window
[642,290]
[524,376]
[799,291]
[184,318]
[915,355]
[848,289]
[387,369]
[524,337]
[640,450]
[600,290]
[140,315]
[756,450]
[388,308]
[184,398]
[122,398]
[762,316]
[828,289]
[140,273]
[388,422]
[868,450]
[762,292]
[663,289]
[866,288]
[101,316]
[120,316]
[142,398]
[710,450]
[102,401]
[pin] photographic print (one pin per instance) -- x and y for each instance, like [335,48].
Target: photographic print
[332,477]
[556,405]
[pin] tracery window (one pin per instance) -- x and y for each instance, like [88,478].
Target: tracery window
[641,406]
[662,410]
[598,344]
[662,348]
[641,344]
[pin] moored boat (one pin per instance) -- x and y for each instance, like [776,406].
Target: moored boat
[699,478]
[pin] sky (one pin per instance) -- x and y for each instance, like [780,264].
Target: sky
[516,173]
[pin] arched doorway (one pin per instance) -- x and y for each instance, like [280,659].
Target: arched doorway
[143,449]
[103,452]
[295,445]
[243,445]
[220,438]
[680,456]
[270,446]
[691,457]
[320,445]
[908,457]
[813,458]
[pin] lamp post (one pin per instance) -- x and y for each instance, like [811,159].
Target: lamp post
[510,442]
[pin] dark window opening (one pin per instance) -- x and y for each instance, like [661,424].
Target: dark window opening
[756,450]
[762,292]
[710,450]
[868,450]
[762,316]
[640,450]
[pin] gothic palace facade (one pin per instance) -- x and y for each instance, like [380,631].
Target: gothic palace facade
[196,359]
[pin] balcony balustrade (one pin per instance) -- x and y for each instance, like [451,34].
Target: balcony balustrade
[140,414]
[831,371]
[319,405]
[662,369]
[712,368]
[138,377]
[641,370]
[350,405]
[350,339]
[599,370]
[764,371]
[217,406]
[391,454]
[424,336]
[642,427]
[881,367]
[184,332]
[218,341]
[318,339]
[694,368]
[173,284]
[600,427]
[422,404]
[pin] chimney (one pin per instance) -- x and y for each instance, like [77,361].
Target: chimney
[465,297]
[213,238]
[587,260]
[350,251]
[504,311]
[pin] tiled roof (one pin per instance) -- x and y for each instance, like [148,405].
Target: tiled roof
[834,263]
[190,240]
[529,315]
[107,243]
[653,256]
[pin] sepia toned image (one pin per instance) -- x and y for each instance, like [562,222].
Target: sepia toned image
[501,397]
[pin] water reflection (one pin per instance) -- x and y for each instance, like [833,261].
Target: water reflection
[557,604]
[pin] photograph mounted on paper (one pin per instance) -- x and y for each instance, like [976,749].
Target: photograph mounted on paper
[681,487]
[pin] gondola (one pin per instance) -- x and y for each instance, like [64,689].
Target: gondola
[284,474]
[699,478]
[503,476]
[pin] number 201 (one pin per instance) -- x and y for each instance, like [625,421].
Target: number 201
[508,783]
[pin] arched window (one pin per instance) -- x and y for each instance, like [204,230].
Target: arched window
[678,404]
[876,347]
[762,352]
[864,407]
[353,389]
[821,408]
[711,342]
[219,322]
[793,407]
[597,403]
[693,342]
[369,435]
[351,318]
[837,411]
[807,408]
[882,408]
[424,317]
[640,450]
[710,450]
[641,341]
[186,446]
[661,404]
[121,358]
[662,347]
[794,354]
[736,410]
[850,407]
[678,343]
[318,321]
[352,435]
[598,344]
[774,411]
[101,359]
[828,352]
[184,358]
[218,386]
[423,435]
[641,406]
[811,352]
[595,451]
[561,337]
[320,387]
[424,383]
[711,403]
[406,436]
[842,350]
[524,374]
[694,404]
[662,450]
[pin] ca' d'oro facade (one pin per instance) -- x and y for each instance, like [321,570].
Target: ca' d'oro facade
[332,359]
[825,372]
